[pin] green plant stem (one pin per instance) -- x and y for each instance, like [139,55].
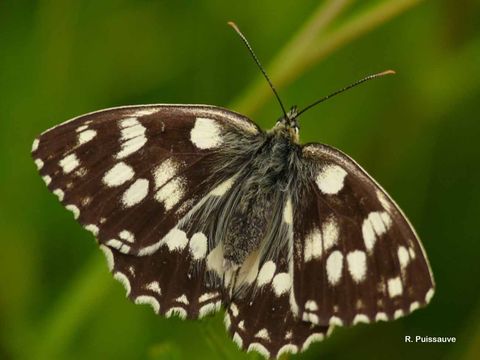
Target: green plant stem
[312,44]
[55,334]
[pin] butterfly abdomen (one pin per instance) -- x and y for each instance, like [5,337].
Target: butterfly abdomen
[264,186]
[247,227]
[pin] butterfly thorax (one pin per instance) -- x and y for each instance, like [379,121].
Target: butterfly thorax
[263,189]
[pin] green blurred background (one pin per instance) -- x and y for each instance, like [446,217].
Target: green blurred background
[416,132]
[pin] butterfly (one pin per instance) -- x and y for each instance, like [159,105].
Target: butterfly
[196,208]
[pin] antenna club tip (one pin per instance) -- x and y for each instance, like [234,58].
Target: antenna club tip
[388,72]
[232,24]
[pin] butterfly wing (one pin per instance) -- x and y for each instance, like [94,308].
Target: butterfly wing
[260,318]
[129,174]
[356,257]
[173,281]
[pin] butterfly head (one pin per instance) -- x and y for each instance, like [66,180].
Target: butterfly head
[289,124]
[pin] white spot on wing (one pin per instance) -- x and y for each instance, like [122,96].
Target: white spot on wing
[313,245]
[223,188]
[127,236]
[287,348]
[69,163]
[39,163]
[334,267]
[334,320]
[381,316]
[178,311]
[311,305]
[395,287]
[288,212]
[281,283]
[148,300]
[92,228]
[227,321]
[215,260]
[135,193]
[145,112]
[234,309]
[330,233]
[206,134]
[198,246]
[86,136]
[311,339]
[118,175]
[403,257]
[81,128]
[361,318]
[123,279]
[207,296]
[383,200]
[131,146]
[310,317]
[237,339]
[75,210]
[209,308]
[266,273]
[171,193]
[120,246]
[398,313]
[357,265]
[81,172]
[262,350]
[429,295]
[108,256]
[414,306]
[263,334]
[182,299]
[132,136]
[155,287]
[330,179]
[165,171]
[176,239]
[47,179]
[59,194]
[376,224]
[35,144]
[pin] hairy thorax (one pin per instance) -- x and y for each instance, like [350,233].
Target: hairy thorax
[263,188]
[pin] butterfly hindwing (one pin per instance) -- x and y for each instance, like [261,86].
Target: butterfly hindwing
[172,280]
[261,319]
[356,258]
[130,174]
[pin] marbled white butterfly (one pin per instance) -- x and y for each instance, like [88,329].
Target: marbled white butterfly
[196,207]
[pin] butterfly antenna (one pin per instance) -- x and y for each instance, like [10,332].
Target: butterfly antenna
[247,44]
[358,82]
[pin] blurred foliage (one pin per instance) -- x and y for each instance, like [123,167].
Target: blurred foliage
[416,133]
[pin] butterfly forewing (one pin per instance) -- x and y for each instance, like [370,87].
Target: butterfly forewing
[129,174]
[357,258]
